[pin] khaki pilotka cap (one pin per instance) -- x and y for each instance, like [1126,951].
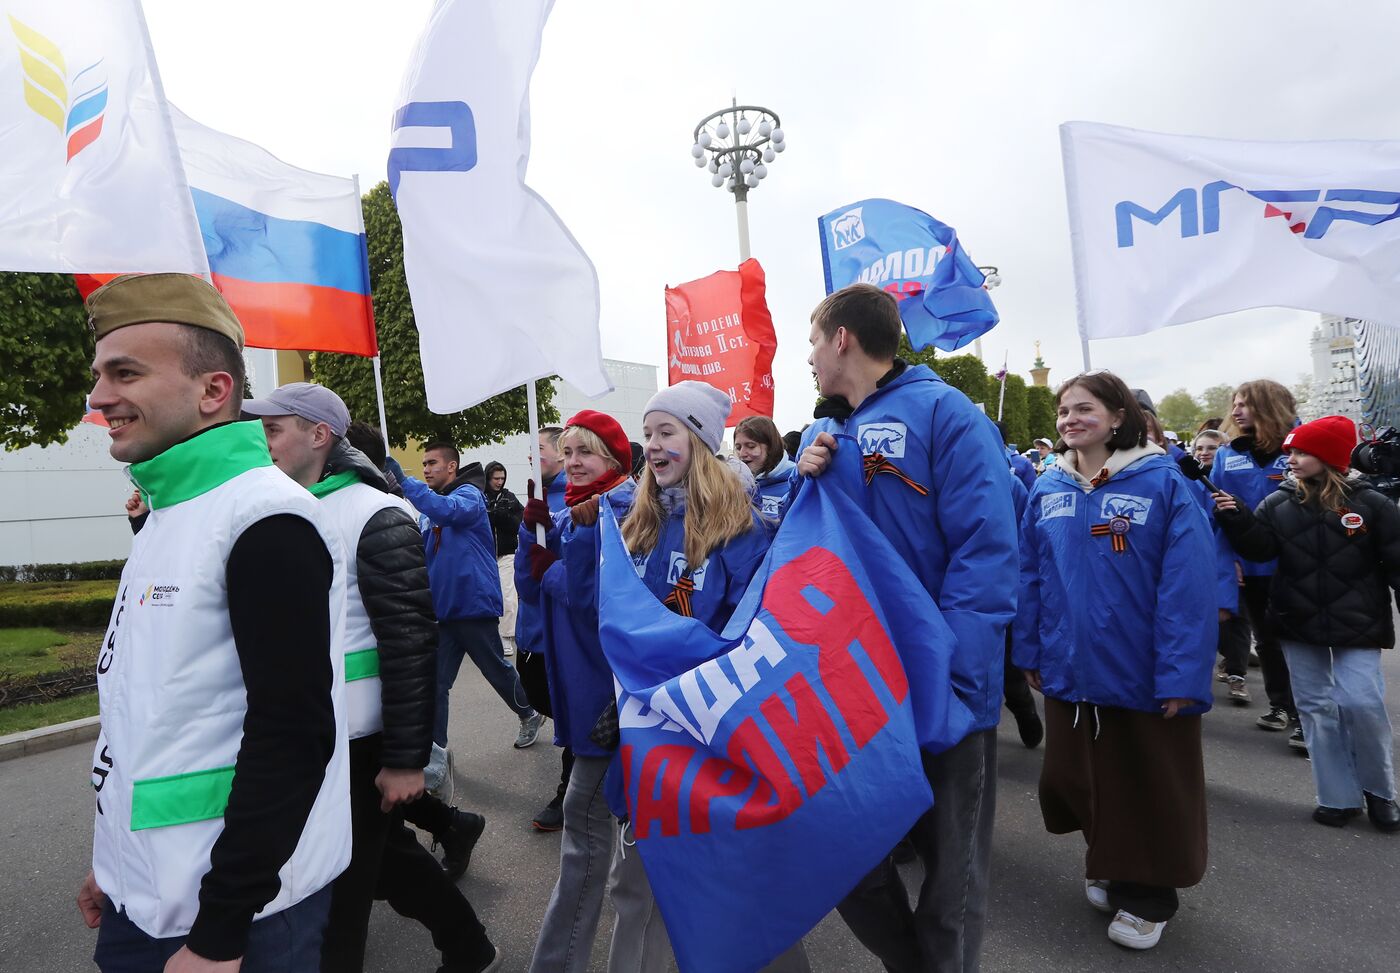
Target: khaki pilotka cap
[173,298]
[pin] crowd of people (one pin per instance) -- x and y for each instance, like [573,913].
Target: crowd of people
[275,681]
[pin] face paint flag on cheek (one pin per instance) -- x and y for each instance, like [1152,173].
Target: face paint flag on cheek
[744,752]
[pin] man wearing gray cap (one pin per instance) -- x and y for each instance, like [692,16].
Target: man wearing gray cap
[390,679]
[222,792]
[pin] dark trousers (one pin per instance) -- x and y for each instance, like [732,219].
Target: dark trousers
[352,894]
[1232,642]
[478,639]
[943,932]
[416,887]
[1017,692]
[1277,685]
[1150,902]
[284,942]
[429,814]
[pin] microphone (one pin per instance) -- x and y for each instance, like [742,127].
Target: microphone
[1195,471]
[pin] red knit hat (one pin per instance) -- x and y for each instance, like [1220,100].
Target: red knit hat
[1331,439]
[606,428]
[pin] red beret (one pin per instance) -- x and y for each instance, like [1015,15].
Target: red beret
[606,428]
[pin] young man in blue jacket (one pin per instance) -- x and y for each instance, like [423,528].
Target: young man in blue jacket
[936,476]
[461,554]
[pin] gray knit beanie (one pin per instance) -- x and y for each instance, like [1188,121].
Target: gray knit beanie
[701,408]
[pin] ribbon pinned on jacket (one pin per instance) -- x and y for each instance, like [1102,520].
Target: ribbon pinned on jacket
[875,463]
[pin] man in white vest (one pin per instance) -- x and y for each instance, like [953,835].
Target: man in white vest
[390,686]
[221,778]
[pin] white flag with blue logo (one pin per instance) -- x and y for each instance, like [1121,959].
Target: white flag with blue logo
[90,175]
[502,292]
[1171,228]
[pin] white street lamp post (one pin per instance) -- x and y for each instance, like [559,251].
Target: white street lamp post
[736,145]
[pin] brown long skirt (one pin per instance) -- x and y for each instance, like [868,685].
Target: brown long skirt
[1134,783]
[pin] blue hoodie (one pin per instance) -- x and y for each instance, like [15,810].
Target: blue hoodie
[1237,473]
[1022,467]
[772,489]
[459,548]
[1128,629]
[529,628]
[960,537]
[566,602]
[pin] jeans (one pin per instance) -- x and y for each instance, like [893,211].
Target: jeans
[640,942]
[1341,702]
[284,942]
[571,919]
[1255,595]
[943,932]
[479,640]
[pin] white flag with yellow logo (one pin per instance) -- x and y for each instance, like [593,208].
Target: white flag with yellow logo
[90,175]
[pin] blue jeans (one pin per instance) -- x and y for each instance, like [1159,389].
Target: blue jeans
[284,942]
[570,924]
[1340,694]
[480,640]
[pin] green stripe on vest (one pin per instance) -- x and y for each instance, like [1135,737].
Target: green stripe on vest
[363,664]
[180,799]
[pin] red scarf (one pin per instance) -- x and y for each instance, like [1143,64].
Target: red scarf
[575,493]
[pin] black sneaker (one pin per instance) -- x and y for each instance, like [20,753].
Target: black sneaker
[1334,817]
[1296,741]
[551,818]
[458,842]
[1275,719]
[488,965]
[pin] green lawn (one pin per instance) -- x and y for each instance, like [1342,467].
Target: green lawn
[33,651]
[13,719]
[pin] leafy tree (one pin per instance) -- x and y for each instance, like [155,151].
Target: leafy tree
[405,403]
[1180,412]
[1040,415]
[1216,400]
[1015,409]
[45,351]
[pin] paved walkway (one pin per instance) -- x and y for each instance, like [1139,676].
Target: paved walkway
[1282,894]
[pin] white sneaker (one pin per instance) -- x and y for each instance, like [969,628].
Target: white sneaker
[1128,930]
[1097,894]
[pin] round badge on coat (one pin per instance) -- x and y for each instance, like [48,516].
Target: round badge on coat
[1352,521]
[1119,525]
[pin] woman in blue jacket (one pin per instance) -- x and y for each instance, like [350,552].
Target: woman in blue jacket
[1116,626]
[696,542]
[759,446]
[1252,466]
[561,579]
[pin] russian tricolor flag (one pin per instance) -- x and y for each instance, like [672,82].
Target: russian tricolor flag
[286,246]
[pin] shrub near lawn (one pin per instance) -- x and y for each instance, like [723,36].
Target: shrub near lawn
[59,603]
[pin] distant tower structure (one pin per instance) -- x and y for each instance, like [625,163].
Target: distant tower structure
[1040,373]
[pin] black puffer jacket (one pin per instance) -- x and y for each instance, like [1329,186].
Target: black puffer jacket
[1333,586]
[394,588]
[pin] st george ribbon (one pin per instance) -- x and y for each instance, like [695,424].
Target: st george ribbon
[768,768]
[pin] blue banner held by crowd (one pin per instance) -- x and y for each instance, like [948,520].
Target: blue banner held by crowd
[771,766]
[915,257]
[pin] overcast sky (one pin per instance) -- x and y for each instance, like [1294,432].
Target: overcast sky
[950,107]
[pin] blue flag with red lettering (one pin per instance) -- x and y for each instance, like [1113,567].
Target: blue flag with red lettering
[770,767]
[916,258]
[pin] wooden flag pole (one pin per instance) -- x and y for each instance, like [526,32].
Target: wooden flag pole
[533,408]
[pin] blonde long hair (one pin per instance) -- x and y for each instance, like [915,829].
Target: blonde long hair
[1273,410]
[717,508]
[1328,490]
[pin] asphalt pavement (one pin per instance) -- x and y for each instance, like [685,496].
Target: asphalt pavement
[1282,894]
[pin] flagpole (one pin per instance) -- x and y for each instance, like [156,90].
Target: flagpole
[1084,347]
[1001,399]
[533,408]
[379,394]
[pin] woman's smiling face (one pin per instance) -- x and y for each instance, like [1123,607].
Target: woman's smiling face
[666,443]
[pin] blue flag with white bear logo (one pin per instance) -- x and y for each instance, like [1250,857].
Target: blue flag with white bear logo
[770,766]
[916,258]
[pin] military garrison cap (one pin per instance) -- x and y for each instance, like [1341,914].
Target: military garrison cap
[174,298]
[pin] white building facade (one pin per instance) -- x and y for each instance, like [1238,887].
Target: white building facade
[1336,384]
